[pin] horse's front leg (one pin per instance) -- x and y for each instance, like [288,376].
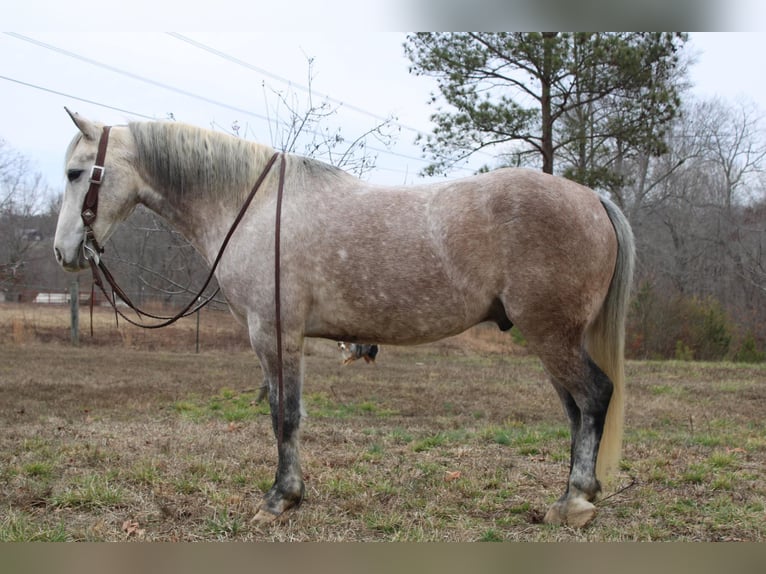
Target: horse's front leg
[287,490]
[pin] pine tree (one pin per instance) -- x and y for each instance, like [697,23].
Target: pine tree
[582,99]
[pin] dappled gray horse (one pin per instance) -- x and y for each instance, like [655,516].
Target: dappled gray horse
[511,246]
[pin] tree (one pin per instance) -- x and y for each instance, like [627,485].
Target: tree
[22,219]
[699,214]
[585,97]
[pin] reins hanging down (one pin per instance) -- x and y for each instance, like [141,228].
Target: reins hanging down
[278,308]
[93,249]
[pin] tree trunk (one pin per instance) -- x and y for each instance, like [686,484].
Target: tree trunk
[545,101]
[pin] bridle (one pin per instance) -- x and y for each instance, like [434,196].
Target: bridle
[93,251]
[90,203]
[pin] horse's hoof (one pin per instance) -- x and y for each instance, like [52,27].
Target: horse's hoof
[575,512]
[264,516]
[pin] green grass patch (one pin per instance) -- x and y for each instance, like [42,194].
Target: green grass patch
[322,405]
[342,486]
[441,439]
[723,481]
[264,483]
[666,390]
[722,459]
[401,436]
[38,469]
[491,535]
[383,523]
[224,525]
[529,440]
[374,452]
[145,473]
[187,485]
[18,526]
[227,405]
[520,508]
[91,492]
[695,474]
[205,471]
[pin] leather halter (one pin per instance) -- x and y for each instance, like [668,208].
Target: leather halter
[90,203]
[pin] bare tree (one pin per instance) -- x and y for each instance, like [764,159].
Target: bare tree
[699,214]
[22,211]
[303,125]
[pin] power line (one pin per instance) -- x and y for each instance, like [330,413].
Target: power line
[171,88]
[307,89]
[78,98]
[187,93]
[140,115]
[133,76]
[193,95]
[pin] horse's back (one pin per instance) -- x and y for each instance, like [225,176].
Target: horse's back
[528,223]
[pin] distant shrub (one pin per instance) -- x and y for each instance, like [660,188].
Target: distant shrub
[748,351]
[676,326]
[707,327]
[683,352]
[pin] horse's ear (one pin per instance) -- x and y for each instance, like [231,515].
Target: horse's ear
[88,128]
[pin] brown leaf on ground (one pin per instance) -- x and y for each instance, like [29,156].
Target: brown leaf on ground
[131,528]
[452,475]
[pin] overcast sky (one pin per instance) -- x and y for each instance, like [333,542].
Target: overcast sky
[221,78]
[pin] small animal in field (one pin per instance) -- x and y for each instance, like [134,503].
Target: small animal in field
[351,352]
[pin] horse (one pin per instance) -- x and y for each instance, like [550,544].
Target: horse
[511,246]
[351,352]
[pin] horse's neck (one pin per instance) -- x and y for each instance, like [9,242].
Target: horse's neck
[202,220]
[205,215]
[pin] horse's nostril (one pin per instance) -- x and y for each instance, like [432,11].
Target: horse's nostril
[58,254]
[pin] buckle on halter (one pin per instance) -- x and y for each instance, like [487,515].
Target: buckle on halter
[97,174]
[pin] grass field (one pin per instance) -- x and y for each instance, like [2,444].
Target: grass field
[134,436]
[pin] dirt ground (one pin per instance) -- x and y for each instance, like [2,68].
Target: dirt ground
[464,440]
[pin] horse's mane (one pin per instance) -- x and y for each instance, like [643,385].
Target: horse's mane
[182,159]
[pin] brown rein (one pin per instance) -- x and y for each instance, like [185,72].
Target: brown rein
[89,212]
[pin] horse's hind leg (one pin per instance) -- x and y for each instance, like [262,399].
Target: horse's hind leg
[585,392]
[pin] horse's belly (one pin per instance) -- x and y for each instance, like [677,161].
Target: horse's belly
[412,318]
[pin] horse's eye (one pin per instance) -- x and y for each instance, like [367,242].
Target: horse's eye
[74,174]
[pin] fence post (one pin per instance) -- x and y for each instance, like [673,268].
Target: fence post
[197,345]
[74,307]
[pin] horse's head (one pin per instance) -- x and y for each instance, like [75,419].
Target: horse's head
[117,193]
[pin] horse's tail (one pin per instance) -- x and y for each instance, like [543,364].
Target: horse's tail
[605,341]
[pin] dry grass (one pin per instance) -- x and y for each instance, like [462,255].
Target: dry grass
[24,324]
[458,441]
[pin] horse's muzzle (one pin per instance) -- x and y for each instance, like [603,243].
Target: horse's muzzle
[75,260]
